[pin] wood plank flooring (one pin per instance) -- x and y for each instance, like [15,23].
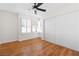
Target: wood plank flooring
[35,47]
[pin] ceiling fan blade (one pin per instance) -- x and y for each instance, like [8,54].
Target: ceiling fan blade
[34,6]
[41,9]
[39,4]
[35,12]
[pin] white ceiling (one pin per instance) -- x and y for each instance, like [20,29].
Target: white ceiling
[52,9]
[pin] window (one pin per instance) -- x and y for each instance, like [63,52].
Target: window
[34,29]
[29,26]
[23,25]
[39,27]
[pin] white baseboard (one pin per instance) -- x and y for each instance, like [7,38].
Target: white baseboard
[8,41]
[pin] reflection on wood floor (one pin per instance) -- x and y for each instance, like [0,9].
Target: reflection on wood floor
[35,47]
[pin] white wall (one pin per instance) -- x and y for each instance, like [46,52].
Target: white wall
[63,30]
[8,26]
[50,30]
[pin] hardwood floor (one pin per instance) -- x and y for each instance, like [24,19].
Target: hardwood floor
[35,47]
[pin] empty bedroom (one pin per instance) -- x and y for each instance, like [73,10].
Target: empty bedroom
[39,29]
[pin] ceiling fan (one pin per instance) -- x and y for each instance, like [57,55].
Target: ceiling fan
[36,7]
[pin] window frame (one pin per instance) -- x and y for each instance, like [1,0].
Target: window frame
[31,28]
